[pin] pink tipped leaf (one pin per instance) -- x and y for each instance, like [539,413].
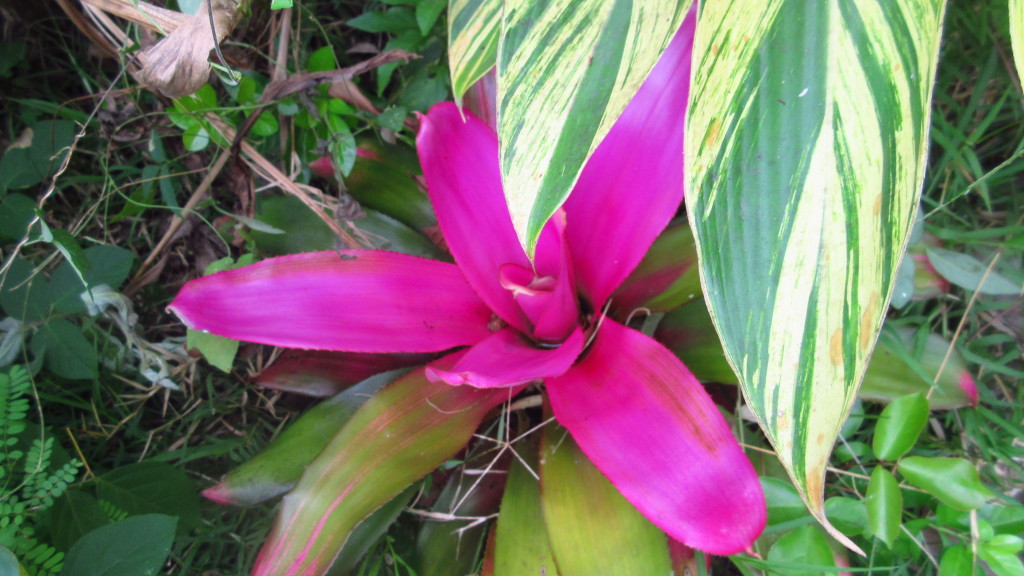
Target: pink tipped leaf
[632,185]
[353,300]
[508,359]
[324,373]
[649,426]
[401,434]
[460,164]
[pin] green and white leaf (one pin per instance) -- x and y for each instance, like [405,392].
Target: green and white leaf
[806,148]
[473,27]
[1017,35]
[566,71]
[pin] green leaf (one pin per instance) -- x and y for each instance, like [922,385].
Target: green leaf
[218,350]
[806,147]
[1002,555]
[473,27]
[804,551]
[280,4]
[784,503]
[68,353]
[899,425]
[427,12]
[884,505]
[108,265]
[24,295]
[136,546]
[566,71]
[450,546]
[36,154]
[368,532]
[905,363]
[593,529]
[521,539]
[16,211]
[402,433]
[956,561]
[968,273]
[75,514]
[9,563]
[322,60]
[392,21]
[151,487]
[953,481]
[274,471]
[848,515]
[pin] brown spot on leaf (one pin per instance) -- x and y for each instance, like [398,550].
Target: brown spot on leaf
[835,347]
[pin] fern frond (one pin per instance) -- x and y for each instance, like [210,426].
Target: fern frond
[114,514]
[38,459]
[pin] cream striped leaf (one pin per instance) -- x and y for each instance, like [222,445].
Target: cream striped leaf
[806,146]
[1017,35]
[473,27]
[566,70]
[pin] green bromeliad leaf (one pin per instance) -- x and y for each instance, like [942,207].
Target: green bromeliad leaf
[806,149]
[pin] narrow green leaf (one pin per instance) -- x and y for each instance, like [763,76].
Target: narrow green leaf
[953,481]
[451,541]
[522,545]
[593,529]
[804,551]
[473,27]
[884,505]
[566,70]
[805,152]
[368,532]
[402,433]
[135,546]
[274,471]
[899,426]
[968,273]
[956,561]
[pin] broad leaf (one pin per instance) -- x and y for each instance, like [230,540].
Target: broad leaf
[135,546]
[806,150]
[953,481]
[566,70]
[899,425]
[884,505]
[402,433]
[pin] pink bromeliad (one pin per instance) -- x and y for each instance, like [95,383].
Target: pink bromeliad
[630,404]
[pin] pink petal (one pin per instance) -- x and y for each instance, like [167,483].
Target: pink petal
[547,293]
[508,359]
[353,300]
[460,165]
[632,186]
[650,427]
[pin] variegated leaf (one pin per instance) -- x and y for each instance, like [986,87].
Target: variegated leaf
[566,70]
[806,146]
[1017,35]
[472,41]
